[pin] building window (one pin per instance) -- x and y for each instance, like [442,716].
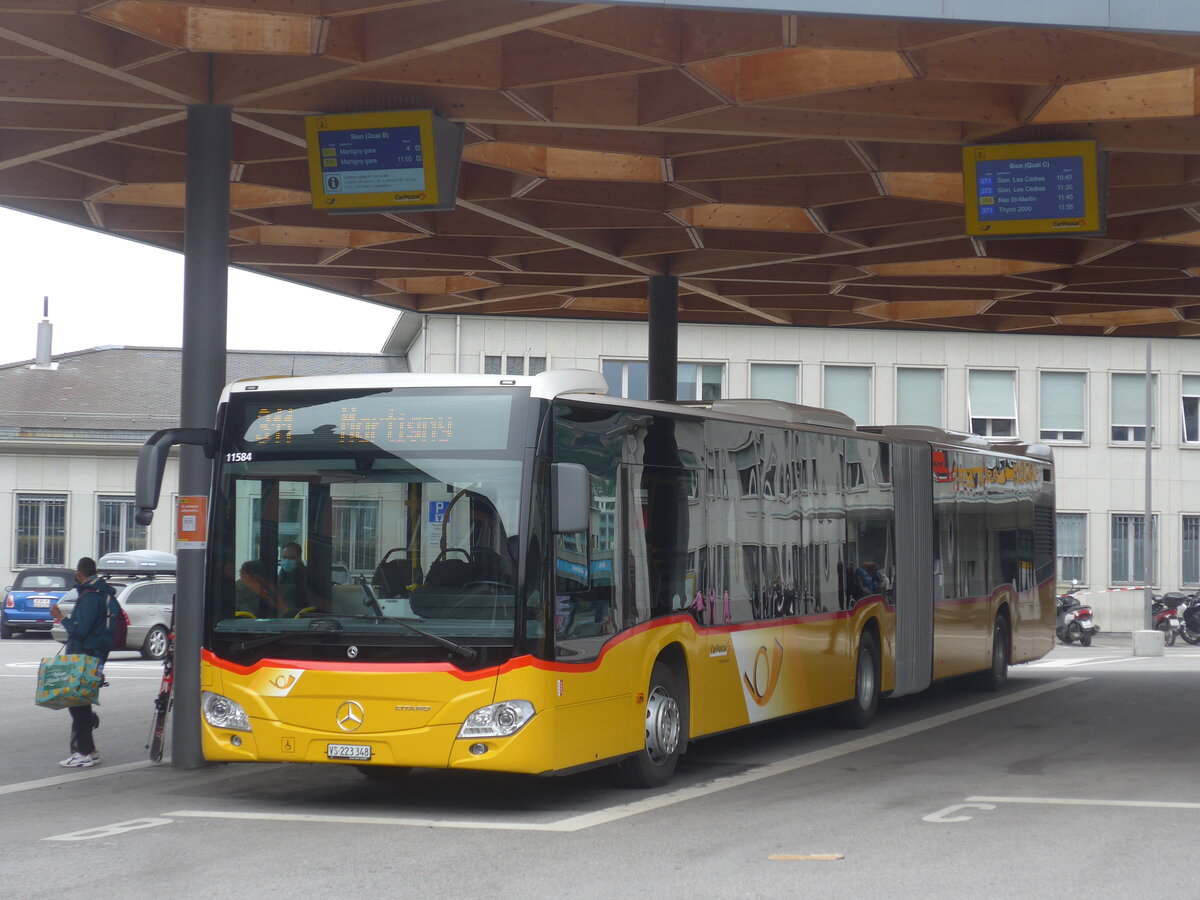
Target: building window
[514,365]
[627,378]
[1128,407]
[1129,548]
[1191,549]
[355,530]
[774,382]
[630,378]
[1191,409]
[848,390]
[1063,404]
[1070,537]
[993,402]
[698,381]
[117,530]
[919,397]
[41,530]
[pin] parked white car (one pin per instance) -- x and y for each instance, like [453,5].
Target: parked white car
[145,584]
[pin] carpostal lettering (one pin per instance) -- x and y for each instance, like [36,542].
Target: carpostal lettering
[1067,223]
[715,650]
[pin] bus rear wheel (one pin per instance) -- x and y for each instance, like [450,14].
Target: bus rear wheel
[859,712]
[995,678]
[654,764]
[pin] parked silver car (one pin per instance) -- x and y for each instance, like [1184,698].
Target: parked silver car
[145,584]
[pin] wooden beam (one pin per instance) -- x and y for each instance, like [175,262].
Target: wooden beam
[1154,96]
[930,309]
[942,187]
[292,236]
[799,71]
[241,196]
[556,163]
[976,265]
[754,218]
[394,36]
[1120,317]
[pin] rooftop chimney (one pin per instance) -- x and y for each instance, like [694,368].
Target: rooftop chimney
[45,334]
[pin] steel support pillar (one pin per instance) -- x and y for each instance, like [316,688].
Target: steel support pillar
[205,296]
[664,337]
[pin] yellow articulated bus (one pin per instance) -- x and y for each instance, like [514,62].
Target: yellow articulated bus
[525,575]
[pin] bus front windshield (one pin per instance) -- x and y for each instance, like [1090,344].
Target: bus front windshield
[378,526]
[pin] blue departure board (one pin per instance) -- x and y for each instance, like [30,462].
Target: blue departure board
[1014,190]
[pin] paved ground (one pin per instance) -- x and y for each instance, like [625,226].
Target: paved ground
[1058,787]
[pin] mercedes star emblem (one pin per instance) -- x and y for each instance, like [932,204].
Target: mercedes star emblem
[349,716]
[352,651]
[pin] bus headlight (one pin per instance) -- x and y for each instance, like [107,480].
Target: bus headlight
[221,712]
[497,720]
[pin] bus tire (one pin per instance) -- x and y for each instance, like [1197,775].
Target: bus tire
[994,679]
[654,764]
[859,712]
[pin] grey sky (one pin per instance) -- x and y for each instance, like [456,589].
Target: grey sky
[108,290]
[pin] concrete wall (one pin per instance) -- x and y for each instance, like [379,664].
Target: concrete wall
[83,473]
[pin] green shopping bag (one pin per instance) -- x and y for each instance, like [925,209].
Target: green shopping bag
[69,679]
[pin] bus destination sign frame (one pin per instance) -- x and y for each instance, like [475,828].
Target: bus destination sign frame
[1034,189]
[381,161]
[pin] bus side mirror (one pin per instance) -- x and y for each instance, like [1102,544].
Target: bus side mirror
[571,496]
[152,461]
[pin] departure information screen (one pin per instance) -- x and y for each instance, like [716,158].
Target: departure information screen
[1044,188]
[400,422]
[1012,189]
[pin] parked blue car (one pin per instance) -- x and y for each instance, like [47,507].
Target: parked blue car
[28,600]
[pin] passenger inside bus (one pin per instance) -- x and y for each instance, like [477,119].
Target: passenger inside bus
[254,594]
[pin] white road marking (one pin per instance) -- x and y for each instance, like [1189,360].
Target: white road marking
[73,775]
[624,811]
[1069,801]
[116,828]
[1061,663]
[944,815]
[1083,661]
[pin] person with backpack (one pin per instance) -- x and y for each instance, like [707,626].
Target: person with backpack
[90,630]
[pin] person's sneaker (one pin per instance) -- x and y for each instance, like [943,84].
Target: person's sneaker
[79,761]
[94,756]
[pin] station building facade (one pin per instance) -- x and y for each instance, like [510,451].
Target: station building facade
[70,430]
[1083,396]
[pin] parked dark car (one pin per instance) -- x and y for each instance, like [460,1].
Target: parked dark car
[27,600]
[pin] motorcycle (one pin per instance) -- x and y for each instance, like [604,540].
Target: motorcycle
[1076,622]
[1189,622]
[1165,610]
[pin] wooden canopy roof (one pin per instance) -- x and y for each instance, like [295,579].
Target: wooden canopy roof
[789,169]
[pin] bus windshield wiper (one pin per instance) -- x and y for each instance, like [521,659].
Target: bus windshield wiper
[453,646]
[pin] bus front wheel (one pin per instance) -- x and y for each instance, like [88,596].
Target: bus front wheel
[654,764]
[859,712]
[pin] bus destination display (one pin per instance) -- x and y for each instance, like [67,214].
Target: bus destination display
[1031,189]
[397,424]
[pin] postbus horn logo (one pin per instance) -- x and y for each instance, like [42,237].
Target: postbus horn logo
[765,674]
